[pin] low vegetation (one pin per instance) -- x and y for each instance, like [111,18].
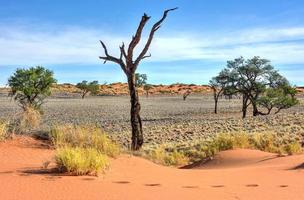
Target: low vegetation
[81,161]
[83,137]
[82,150]
[178,155]
[26,121]
[4,134]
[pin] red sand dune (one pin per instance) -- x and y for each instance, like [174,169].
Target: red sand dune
[236,174]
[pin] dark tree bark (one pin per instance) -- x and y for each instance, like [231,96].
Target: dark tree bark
[137,132]
[216,95]
[245,105]
[185,95]
[129,66]
[84,93]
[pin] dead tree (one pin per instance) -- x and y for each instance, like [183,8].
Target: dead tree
[129,66]
[186,94]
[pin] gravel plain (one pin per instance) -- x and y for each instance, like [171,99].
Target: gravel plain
[166,119]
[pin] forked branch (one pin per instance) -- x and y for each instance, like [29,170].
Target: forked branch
[155,27]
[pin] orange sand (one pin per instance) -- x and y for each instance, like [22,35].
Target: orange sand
[235,174]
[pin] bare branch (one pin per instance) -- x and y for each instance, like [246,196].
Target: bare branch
[146,56]
[123,51]
[155,27]
[112,58]
[135,39]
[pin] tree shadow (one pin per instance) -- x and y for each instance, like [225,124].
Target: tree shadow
[301,166]
[40,171]
[7,172]
[197,164]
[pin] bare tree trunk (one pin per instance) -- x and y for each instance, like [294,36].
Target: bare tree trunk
[245,105]
[137,132]
[255,111]
[215,105]
[83,95]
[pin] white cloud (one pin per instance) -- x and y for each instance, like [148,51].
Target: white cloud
[27,46]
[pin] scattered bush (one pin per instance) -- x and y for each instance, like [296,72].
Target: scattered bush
[84,137]
[81,161]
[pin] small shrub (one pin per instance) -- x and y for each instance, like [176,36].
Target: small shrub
[241,140]
[264,142]
[85,137]
[30,119]
[3,131]
[26,121]
[173,158]
[81,161]
[293,148]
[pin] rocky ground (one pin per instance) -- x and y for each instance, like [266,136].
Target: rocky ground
[165,118]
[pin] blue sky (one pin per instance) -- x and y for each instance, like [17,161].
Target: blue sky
[192,45]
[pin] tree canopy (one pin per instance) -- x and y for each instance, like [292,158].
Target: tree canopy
[260,85]
[29,87]
[87,87]
[140,79]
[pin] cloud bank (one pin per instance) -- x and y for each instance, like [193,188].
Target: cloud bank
[28,45]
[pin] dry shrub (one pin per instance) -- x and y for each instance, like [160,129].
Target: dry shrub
[4,134]
[81,161]
[293,148]
[164,157]
[266,141]
[26,121]
[84,137]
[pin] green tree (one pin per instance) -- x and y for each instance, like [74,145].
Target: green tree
[147,88]
[253,79]
[86,87]
[29,87]
[220,85]
[140,79]
[281,97]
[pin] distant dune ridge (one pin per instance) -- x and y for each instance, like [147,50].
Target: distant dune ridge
[122,89]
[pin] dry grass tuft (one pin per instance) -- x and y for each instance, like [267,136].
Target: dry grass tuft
[83,137]
[4,133]
[174,154]
[26,121]
[164,157]
[81,161]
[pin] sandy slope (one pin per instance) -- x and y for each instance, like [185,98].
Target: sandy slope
[237,174]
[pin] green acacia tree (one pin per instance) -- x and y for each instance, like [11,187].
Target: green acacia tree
[259,84]
[279,98]
[30,87]
[86,87]
[140,79]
